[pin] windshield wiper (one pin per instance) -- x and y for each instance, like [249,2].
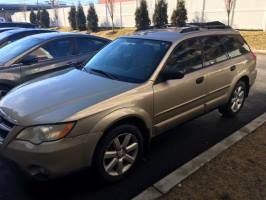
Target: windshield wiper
[106,74]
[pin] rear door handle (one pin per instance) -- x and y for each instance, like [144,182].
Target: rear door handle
[200,80]
[233,68]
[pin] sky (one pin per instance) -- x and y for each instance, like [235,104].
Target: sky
[43,1]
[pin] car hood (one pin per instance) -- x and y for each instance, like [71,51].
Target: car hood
[58,97]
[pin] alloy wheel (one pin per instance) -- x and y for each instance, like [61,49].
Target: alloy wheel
[238,98]
[120,154]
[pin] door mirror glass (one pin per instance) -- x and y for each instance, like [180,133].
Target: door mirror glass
[170,74]
[29,60]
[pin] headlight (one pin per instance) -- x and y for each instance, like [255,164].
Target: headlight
[46,133]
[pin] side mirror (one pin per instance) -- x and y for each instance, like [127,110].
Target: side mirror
[29,60]
[170,74]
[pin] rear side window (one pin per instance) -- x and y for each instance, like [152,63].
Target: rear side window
[235,45]
[88,45]
[187,56]
[214,50]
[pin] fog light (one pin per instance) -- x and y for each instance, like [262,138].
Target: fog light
[38,172]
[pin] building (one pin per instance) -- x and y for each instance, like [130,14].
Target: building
[246,14]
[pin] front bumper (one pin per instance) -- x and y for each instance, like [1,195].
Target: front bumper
[50,159]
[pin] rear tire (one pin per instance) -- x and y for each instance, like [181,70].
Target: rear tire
[236,101]
[118,152]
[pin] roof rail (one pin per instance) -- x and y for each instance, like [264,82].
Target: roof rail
[189,29]
[210,25]
[184,29]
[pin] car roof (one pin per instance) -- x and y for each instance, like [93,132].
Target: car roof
[8,28]
[21,30]
[173,34]
[55,35]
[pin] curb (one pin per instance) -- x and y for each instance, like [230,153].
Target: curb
[168,182]
[259,51]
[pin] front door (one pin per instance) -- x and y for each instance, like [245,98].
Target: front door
[178,100]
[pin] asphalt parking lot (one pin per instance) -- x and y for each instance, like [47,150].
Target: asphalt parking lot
[168,152]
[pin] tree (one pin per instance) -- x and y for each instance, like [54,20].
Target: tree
[142,16]
[33,17]
[160,17]
[229,6]
[72,17]
[92,19]
[179,16]
[38,17]
[110,7]
[81,18]
[45,19]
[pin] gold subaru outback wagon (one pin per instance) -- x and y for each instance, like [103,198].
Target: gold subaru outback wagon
[135,88]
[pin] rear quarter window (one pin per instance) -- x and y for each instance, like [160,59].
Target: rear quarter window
[235,45]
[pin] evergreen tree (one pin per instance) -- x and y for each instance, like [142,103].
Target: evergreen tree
[142,16]
[33,17]
[38,18]
[45,19]
[179,16]
[81,18]
[92,19]
[72,17]
[160,17]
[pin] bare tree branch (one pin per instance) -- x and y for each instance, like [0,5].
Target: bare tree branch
[110,8]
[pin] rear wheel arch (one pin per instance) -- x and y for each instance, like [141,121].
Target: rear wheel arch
[245,79]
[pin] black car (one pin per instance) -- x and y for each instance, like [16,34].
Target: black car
[17,24]
[10,36]
[7,29]
[44,53]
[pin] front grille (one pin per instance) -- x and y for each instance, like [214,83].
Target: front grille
[5,127]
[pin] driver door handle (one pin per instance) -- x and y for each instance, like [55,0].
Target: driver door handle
[200,80]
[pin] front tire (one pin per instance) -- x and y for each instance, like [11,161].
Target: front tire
[118,152]
[236,101]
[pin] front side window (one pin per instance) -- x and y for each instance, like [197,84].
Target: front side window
[88,45]
[53,50]
[214,50]
[187,57]
[129,59]
[235,45]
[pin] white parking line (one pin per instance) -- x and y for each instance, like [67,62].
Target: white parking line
[167,183]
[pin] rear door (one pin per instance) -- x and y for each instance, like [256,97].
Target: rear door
[219,57]
[86,48]
[52,56]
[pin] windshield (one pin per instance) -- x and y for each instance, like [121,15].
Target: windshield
[16,48]
[129,59]
[6,34]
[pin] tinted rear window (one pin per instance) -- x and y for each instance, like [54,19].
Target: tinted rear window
[235,45]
